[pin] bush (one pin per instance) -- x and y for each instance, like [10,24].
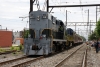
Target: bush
[17,48]
[2,50]
[12,48]
[21,47]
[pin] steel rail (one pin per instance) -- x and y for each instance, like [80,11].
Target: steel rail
[84,59]
[13,60]
[27,62]
[61,62]
[7,52]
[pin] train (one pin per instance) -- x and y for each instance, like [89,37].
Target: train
[47,35]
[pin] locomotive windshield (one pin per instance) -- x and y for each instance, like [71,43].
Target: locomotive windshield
[32,33]
[46,32]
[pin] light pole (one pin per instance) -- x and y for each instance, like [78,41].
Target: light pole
[87,22]
[66,17]
[97,12]
[90,26]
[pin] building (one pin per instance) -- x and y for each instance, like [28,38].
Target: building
[5,38]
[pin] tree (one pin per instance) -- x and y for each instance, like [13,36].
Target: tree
[93,36]
[97,30]
[25,33]
[84,39]
[96,33]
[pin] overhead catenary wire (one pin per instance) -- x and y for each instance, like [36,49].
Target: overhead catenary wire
[63,13]
[44,6]
[82,10]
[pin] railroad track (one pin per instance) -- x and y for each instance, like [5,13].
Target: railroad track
[84,59]
[27,62]
[83,64]
[14,62]
[7,52]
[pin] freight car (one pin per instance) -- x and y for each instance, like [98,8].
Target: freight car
[46,34]
[72,38]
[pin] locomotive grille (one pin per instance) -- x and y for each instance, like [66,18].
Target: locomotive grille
[36,41]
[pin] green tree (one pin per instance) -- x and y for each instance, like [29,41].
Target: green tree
[25,34]
[84,39]
[93,36]
[98,28]
[96,33]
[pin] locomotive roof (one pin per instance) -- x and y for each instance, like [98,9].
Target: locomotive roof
[70,29]
[39,11]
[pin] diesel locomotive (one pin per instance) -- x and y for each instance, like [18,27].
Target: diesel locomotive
[48,35]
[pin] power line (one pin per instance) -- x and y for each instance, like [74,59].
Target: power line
[44,6]
[60,8]
[82,10]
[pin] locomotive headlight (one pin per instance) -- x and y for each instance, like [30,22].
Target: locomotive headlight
[32,16]
[44,36]
[38,17]
[44,16]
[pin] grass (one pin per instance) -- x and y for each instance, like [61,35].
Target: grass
[2,50]
[17,48]
[12,48]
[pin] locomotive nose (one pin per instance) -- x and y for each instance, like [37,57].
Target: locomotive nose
[35,47]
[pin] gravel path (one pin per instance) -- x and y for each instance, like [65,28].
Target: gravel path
[93,58]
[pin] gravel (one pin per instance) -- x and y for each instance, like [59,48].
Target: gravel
[10,56]
[76,59]
[93,58]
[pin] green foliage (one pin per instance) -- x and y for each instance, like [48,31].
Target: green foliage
[17,48]
[12,48]
[98,28]
[96,34]
[93,36]
[2,50]
[83,38]
[21,47]
[25,34]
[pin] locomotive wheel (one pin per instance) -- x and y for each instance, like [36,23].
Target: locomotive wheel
[54,48]
[68,44]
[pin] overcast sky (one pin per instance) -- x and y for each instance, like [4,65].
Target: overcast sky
[11,10]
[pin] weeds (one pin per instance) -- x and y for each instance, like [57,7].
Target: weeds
[17,48]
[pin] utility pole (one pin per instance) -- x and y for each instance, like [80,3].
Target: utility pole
[66,18]
[75,27]
[78,30]
[47,5]
[96,14]
[87,24]
[90,27]
[31,6]
[1,26]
